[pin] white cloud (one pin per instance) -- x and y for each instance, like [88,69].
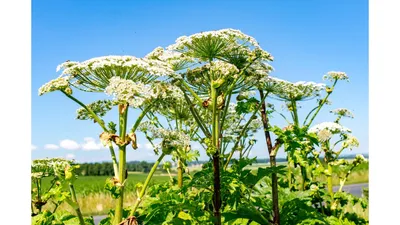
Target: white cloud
[51,146]
[139,145]
[33,147]
[90,144]
[70,156]
[69,144]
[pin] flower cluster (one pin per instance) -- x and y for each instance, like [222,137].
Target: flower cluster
[100,108]
[325,130]
[225,41]
[343,112]
[127,91]
[350,142]
[171,139]
[176,60]
[221,69]
[291,91]
[359,159]
[50,167]
[225,34]
[335,75]
[60,83]
[94,74]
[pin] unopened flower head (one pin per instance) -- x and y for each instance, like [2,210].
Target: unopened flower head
[127,91]
[343,112]
[335,75]
[59,84]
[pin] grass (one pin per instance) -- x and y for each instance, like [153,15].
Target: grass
[94,200]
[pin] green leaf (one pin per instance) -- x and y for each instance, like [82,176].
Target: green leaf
[184,216]
[246,212]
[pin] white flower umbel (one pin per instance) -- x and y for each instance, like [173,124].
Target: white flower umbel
[176,60]
[289,91]
[228,40]
[343,112]
[335,75]
[334,128]
[94,74]
[100,108]
[60,84]
[127,91]
[170,138]
[227,34]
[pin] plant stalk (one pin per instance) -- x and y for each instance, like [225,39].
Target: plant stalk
[272,160]
[77,209]
[216,157]
[123,115]
[180,173]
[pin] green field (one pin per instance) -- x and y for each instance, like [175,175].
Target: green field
[94,200]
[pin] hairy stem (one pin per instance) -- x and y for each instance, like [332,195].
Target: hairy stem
[216,158]
[123,115]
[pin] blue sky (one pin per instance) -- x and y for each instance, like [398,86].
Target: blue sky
[307,39]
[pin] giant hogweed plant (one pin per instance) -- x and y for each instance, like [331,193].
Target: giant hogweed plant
[218,65]
[300,142]
[62,175]
[130,81]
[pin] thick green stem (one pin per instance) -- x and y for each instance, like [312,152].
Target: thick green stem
[123,115]
[216,158]
[146,183]
[180,173]
[295,114]
[76,205]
